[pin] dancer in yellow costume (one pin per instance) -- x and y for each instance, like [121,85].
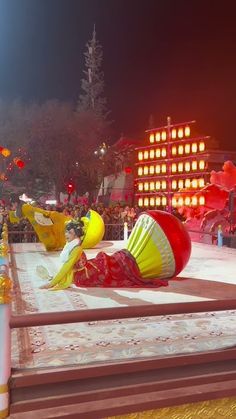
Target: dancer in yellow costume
[50,226]
[158,248]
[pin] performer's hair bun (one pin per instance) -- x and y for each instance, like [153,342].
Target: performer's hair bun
[77,226]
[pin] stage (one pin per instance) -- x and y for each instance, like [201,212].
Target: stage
[210,274]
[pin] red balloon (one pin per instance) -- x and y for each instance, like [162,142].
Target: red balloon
[177,236]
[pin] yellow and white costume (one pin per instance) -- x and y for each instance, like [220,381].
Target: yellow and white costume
[50,226]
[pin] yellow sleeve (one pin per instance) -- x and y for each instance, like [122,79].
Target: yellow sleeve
[13,218]
[64,277]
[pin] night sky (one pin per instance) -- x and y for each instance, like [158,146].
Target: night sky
[165,57]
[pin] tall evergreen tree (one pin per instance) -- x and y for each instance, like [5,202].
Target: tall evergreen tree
[92,85]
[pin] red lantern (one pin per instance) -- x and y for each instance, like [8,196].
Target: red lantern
[70,188]
[20,164]
[128,170]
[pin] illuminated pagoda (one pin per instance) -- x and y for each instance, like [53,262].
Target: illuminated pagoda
[172,167]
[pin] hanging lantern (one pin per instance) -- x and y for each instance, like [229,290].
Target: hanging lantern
[5,152]
[128,170]
[151,170]
[140,202]
[18,162]
[140,155]
[151,138]
[140,171]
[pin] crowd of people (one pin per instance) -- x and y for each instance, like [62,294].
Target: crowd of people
[114,218]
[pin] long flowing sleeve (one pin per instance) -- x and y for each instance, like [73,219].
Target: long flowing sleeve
[64,278]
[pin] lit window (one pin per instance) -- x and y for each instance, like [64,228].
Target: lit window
[140,202]
[151,170]
[194,165]
[152,154]
[140,186]
[140,171]
[187,167]
[146,186]
[163,168]
[194,183]
[202,200]
[146,202]
[173,133]
[158,137]
[158,152]
[187,183]
[201,146]
[187,200]
[145,155]
[174,151]
[145,170]
[163,135]
[158,185]
[187,148]
[158,201]
[180,167]
[152,186]
[158,169]
[180,149]
[201,183]
[140,155]
[174,202]
[180,133]
[201,165]
[151,138]
[194,148]
[163,152]
[181,184]
[173,168]
[187,131]
[152,202]
[180,201]
[174,184]
[194,200]
[163,184]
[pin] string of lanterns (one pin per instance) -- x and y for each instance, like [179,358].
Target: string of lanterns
[16,161]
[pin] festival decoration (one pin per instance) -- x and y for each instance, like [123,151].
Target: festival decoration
[16,161]
[5,152]
[128,170]
[175,158]
[70,187]
[160,245]
[218,206]
[226,177]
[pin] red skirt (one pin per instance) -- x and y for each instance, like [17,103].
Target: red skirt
[117,271]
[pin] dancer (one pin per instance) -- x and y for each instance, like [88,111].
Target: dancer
[50,225]
[158,248]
